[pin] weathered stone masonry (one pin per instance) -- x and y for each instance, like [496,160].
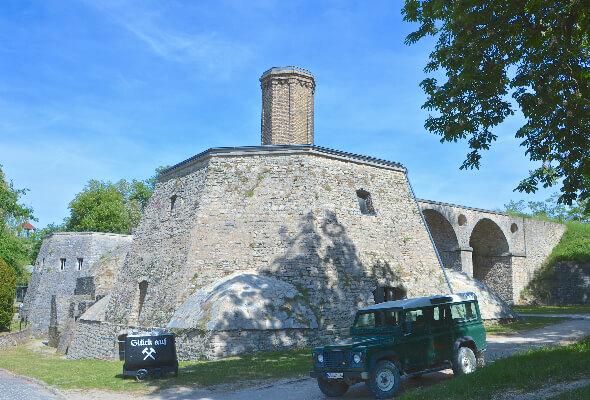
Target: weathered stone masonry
[49,279]
[287,212]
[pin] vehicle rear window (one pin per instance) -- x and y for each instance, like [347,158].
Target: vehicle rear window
[377,318]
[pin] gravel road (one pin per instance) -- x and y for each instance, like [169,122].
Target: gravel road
[13,387]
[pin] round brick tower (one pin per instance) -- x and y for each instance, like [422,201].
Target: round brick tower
[287,106]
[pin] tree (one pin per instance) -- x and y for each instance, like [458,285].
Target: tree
[110,207]
[7,294]
[536,51]
[14,249]
[99,207]
[550,209]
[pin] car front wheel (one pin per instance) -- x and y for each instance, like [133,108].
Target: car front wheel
[464,362]
[385,380]
[333,387]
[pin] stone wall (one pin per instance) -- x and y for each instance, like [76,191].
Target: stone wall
[541,238]
[290,213]
[14,338]
[94,339]
[572,283]
[48,279]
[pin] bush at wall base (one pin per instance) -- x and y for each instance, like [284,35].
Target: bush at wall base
[7,294]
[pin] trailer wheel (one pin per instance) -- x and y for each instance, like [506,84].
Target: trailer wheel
[141,375]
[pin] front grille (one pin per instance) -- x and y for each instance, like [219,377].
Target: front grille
[336,359]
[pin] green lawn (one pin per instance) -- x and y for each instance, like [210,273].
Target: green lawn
[99,374]
[524,372]
[521,325]
[579,309]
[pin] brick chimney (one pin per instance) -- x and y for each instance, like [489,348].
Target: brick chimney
[287,106]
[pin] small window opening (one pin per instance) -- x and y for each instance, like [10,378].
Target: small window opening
[513,228]
[62,265]
[365,202]
[173,202]
[462,220]
[43,261]
[388,293]
[143,285]
[80,262]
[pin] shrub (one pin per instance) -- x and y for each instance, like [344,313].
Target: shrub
[7,295]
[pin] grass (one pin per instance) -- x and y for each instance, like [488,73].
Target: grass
[574,244]
[578,309]
[105,375]
[523,372]
[521,325]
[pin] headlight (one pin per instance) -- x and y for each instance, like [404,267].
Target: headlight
[320,358]
[356,358]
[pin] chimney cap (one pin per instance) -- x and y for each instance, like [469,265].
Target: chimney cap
[287,70]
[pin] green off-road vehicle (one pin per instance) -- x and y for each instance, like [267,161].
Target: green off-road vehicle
[405,337]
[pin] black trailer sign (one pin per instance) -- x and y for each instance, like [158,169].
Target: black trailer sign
[149,353]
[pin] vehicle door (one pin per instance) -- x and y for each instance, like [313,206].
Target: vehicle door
[442,334]
[417,341]
[464,320]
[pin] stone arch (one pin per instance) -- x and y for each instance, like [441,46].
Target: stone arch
[445,238]
[492,263]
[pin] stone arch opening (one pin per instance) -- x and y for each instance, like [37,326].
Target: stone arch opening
[445,239]
[492,262]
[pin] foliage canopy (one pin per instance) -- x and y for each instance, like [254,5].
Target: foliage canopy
[536,51]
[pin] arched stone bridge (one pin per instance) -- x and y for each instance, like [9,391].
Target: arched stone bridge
[498,249]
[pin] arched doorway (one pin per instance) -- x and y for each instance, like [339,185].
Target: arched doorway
[444,238]
[491,258]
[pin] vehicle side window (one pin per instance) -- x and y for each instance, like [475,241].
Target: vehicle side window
[390,318]
[439,315]
[463,312]
[415,321]
[366,320]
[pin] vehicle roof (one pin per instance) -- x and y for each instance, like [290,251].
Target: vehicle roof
[418,302]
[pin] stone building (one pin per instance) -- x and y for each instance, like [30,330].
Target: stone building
[67,261]
[260,247]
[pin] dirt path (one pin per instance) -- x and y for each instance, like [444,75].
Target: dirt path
[499,346]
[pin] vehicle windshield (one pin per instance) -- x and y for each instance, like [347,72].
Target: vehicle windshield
[376,318]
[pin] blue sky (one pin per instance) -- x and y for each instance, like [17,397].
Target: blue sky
[113,89]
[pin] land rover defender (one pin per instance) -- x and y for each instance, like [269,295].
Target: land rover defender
[404,337]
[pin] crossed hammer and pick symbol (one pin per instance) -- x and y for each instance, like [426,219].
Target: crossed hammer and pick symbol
[149,353]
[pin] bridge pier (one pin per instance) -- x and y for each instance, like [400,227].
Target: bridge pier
[467,261]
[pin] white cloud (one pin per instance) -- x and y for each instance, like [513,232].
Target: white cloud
[207,51]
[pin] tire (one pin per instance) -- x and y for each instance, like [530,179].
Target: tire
[464,361]
[333,387]
[385,380]
[481,361]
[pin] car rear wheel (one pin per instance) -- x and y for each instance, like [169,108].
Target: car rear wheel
[332,387]
[464,362]
[385,380]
